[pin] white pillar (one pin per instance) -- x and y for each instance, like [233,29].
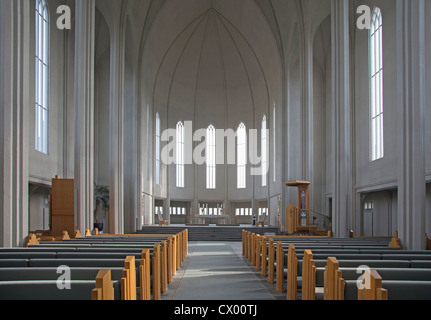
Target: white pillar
[342,125]
[84,113]
[14,113]
[411,125]
[116,175]
[308,109]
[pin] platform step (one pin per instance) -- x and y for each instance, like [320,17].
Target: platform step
[209,233]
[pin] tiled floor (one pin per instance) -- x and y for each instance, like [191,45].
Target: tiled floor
[218,271]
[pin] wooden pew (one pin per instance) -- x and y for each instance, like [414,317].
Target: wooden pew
[264,257]
[128,276]
[371,288]
[144,275]
[169,254]
[104,289]
[258,250]
[334,284]
[164,252]
[156,272]
[369,248]
[292,274]
[271,260]
[280,268]
[128,281]
[308,277]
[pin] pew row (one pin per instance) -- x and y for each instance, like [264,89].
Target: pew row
[303,263]
[260,250]
[400,284]
[147,260]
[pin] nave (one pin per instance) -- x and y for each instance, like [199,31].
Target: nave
[216,270]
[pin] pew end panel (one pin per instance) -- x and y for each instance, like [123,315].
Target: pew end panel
[104,289]
[371,288]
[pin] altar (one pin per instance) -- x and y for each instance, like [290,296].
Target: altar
[204,219]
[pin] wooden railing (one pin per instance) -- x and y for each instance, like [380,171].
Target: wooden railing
[298,220]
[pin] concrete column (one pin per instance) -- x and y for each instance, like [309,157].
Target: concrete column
[116,174]
[411,125]
[84,113]
[308,108]
[14,109]
[342,122]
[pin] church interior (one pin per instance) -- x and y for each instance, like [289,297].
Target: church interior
[219,124]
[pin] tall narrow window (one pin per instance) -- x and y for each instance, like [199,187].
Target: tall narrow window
[376,86]
[41,81]
[211,157]
[264,152]
[241,156]
[180,155]
[157,148]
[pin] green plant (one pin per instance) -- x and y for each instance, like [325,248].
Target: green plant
[101,199]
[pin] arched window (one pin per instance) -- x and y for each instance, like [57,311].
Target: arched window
[211,157]
[376,87]
[241,156]
[41,76]
[264,144]
[157,148]
[180,155]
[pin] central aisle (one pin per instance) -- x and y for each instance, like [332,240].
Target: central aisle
[217,271]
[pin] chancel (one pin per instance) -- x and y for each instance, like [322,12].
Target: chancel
[177,149]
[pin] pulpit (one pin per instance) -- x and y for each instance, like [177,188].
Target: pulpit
[298,217]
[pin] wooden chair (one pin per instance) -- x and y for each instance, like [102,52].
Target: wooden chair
[395,242]
[162,222]
[261,221]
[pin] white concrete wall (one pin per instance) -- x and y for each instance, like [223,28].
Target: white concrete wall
[376,174]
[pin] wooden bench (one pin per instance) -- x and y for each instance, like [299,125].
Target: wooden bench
[376,251]
[47,290]
[373,287]
[111,251]
[171,253]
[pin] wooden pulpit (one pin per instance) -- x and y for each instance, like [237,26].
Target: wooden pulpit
[297,217]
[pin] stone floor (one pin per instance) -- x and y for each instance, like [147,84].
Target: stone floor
[218,271]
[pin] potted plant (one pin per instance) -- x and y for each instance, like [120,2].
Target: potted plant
[101,199]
